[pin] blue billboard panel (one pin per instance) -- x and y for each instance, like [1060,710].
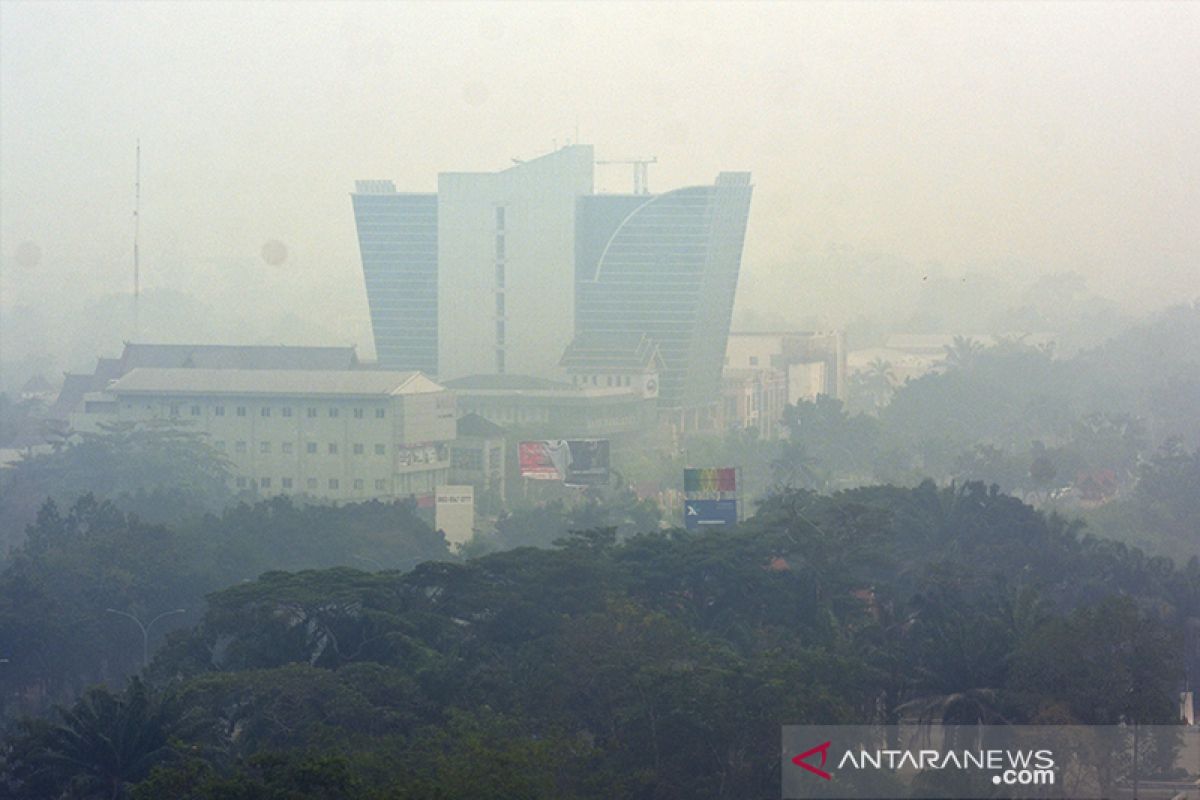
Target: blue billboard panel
[699,514]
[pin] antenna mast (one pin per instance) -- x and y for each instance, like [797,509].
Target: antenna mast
[137,226]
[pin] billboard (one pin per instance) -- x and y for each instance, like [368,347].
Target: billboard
[698,514]
[578,462]
[710,480]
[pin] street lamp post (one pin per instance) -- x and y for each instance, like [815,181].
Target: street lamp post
[146,629]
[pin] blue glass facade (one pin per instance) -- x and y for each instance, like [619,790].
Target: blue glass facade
[398,241]
[665,266]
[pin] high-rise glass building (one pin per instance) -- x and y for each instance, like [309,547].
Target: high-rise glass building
[665,266]
[498,272]
[398,241]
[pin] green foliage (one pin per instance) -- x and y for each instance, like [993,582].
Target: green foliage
[654,665]
[54,627]
[163,471]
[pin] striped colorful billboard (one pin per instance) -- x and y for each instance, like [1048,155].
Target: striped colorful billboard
[710,480]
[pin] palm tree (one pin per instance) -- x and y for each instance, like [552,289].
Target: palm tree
[107,741]
[963,353]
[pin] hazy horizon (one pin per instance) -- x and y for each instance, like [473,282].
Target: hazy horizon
[901,140]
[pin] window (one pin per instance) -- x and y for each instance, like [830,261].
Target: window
[333,483]
[333,448]
[286,411]
[264,483]
[499,218]
[219,411]
[220,445]
[499,361]
[499,304]
[754,361]
[499,276]
[380,413]
[264,447]
[285,447]
[241,411]
[610,380]
[195,411]
[358,484]
[286,483]
[311,483]
[312,412]
[311,447]
[240,447]
[333,412]
[241,483]
[500,247]
[500,332]
[174,410]
[381,449]
[266,411]
[358,449]
[466,459]
[380,485]
[359,413]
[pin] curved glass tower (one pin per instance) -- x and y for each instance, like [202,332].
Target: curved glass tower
[665,266]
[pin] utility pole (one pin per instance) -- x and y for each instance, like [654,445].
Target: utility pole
[137,225]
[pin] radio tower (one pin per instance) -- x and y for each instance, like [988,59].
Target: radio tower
[137,225]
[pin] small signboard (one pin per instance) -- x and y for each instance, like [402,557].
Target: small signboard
[455,512]
[698,514]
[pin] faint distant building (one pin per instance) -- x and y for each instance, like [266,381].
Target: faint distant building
[754,399]
[334,434]
[529,259]
[812,363]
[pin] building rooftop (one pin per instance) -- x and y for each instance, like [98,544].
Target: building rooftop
[611,352]
[506,383]
[221,356]
[305,383]
[478,427]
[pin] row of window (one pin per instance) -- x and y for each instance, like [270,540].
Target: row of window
[612,380]
[266,411]
[311,484]
[309,447]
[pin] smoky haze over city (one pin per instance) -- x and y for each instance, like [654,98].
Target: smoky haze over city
[568,400]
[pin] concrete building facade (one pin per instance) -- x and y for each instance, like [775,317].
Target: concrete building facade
[332,434]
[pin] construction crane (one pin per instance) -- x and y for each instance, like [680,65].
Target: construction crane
[641,171]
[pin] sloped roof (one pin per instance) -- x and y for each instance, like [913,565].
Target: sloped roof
[611,353]
[505,382]
[304,383]
[220,356]
[478,427]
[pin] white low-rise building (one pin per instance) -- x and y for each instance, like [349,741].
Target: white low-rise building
[335,434]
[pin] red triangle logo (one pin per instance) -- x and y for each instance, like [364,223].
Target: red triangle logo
[802,760]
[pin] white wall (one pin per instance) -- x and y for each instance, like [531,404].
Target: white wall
[539,234]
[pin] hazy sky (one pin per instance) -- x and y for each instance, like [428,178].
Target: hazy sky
[1053,137]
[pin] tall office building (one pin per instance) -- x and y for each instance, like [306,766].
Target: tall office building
[398,240]
[498,272]
[665,266]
